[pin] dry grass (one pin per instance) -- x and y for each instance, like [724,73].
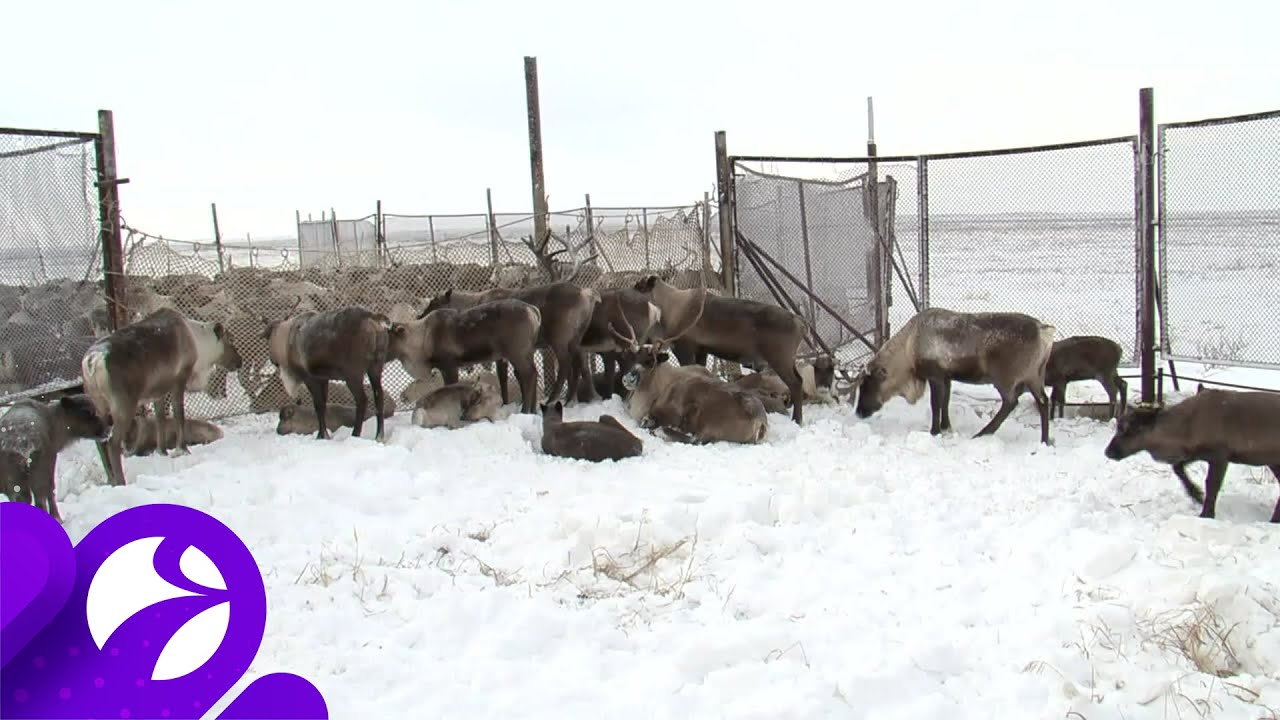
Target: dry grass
[1197,634]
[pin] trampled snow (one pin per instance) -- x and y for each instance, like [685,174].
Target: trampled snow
[850,568]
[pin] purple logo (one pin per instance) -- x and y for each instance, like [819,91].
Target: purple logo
[157,613]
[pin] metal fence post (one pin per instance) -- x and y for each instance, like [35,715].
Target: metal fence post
[493,225]
[217,238]
[808,265]
[1147,268]
[922,204]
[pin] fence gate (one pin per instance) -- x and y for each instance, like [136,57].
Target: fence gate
[52,294]
[819,247]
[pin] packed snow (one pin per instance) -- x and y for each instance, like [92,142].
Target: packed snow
[848,568]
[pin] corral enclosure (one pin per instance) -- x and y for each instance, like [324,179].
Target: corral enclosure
[1054,231]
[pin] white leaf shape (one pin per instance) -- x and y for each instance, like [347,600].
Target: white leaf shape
[194,643]
[198,568]
[126,583]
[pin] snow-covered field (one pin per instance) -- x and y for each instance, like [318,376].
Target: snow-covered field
[850,568]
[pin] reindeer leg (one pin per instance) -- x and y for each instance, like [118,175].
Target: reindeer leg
[527,376]
[1111,395]
[1008,401]
[51,498]
[180,417]
[104,455]
[1275,514]
[160,409]
[356,386]
[1124,392]
[935,406]
[564,367]
[795,385]
[502,368]
[1042,404]
[448,373]
[945,419]
[375,382]
[1193,492]
[1057,399]
[319,389]
[1212,485]
[124,417]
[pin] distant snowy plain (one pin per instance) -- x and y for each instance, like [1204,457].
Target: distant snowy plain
[847,569]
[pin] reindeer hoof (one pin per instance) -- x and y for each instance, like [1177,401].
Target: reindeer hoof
[179,452]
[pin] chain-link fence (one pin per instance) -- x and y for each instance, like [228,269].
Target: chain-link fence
[808,241]
[52,303]
[394,269]
[1049,232]
[1219,227]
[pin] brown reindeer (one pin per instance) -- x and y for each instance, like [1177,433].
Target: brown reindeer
[605,439]
[348,344]
[566,312]
[163,354]
[938,346]
[734,329]
[622,321]
[459,404]
[446,338]
[1086,357]
[773,393]
[32,433]
[300,419]
[1218,427]
[691,405]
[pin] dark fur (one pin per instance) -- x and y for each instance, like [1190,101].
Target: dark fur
[1086,357]
[566,312]
[1218,427]
[156,358]
[693,403]
[734,329]
[938,346]
[32,433]
[347,344]
[447,338]
[622,321]
[773,393]
[605,439]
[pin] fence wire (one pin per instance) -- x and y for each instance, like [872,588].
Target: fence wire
[52,302]
[818,224]
[1050,233]
[1219,223]
[424,256]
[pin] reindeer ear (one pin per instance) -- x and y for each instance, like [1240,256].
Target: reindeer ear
[218,330]
[663,357]
[448,295]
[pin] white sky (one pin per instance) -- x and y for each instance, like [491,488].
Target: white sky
[270,107]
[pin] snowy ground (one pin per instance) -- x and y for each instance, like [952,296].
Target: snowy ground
[852,569]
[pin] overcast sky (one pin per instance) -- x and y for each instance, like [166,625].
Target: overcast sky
[270,107]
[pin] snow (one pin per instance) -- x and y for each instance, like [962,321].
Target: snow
[850,568]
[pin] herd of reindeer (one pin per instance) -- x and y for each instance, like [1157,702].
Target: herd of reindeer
[316,353]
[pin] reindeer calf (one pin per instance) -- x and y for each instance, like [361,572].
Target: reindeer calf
[301,419]
[1219,427]
[163,354]
[32,433]
[1085,357]
[458,404]
[605,439]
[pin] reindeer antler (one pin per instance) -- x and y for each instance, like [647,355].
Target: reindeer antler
[702,304]
[632,341]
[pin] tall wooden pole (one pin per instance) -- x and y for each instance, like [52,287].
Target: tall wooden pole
[540,213]
[109,219]
[724,196]
[217,237]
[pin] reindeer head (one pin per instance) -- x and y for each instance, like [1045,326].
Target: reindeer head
[443,300]
[1133,430]
[229,356]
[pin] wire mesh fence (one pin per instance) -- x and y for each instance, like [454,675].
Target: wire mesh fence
[807,225]
[1051,233]
[1219,200]
[394,272]
[52,303]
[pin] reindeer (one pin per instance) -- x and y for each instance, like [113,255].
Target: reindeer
[937,346]
[1218,427]
[163,354]
[459,404]
[1086,357]
[32,433]
[605,439]
[312,348]
[301,420]
[446,338]
[734,329]
[142,436]
[691,405]
[620,309]
[565,313]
